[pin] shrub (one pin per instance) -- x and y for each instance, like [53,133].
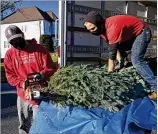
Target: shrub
[46,41]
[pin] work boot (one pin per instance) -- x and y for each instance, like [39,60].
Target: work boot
[152,95]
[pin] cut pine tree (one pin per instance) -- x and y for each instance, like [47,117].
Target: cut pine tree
[91,86]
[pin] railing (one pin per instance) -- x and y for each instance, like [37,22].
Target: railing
[86,49]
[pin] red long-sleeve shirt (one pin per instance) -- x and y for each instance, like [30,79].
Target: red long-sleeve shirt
[19,63]
[121,28]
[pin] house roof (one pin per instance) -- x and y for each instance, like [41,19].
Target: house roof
[52,15]
[29,14]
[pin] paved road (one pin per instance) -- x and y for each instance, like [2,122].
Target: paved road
[9,115]
[9,120]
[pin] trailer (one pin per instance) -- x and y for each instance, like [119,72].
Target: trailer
[77,46]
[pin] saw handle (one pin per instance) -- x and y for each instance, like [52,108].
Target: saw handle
[32,80]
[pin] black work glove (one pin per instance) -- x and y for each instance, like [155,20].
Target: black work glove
[119,65]
[126,62]
[123,63]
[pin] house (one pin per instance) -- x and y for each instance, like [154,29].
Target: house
[32,21]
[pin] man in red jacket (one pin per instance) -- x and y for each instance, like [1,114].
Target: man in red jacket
[124,32]
[26,56]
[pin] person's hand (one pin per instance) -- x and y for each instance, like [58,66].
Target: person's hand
[27,91]
[25,84]
[152,95]
[28,94]
[111,65]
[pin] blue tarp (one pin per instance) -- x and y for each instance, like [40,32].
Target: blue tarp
[133,119]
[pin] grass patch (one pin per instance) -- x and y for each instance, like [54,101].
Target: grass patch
[54,57]
[1,64]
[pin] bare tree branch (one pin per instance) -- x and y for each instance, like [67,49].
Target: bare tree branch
[8,5]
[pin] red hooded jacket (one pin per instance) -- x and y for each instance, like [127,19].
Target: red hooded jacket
[19,63]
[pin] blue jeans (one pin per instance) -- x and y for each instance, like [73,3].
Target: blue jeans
[137,56]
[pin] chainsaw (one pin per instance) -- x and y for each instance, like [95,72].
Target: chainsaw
[34,84]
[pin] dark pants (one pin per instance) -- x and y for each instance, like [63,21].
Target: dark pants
[26,113]
[138,51]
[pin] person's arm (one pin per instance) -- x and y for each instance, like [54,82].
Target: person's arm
[112,56]
[119,57]
[10,73]
[111,65]
[48,65]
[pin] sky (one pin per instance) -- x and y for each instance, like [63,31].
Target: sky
[43,5]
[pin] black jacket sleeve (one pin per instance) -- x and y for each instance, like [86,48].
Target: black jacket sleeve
[113,51]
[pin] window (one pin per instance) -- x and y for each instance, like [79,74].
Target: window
[5,45]
[25,28]
[22,28]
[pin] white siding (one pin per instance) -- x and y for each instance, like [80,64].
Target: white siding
[42,26]
[31,30]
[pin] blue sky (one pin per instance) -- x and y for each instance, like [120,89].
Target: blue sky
[43,5]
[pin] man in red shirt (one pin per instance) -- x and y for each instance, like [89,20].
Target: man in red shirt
[124,32]
[26,56]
